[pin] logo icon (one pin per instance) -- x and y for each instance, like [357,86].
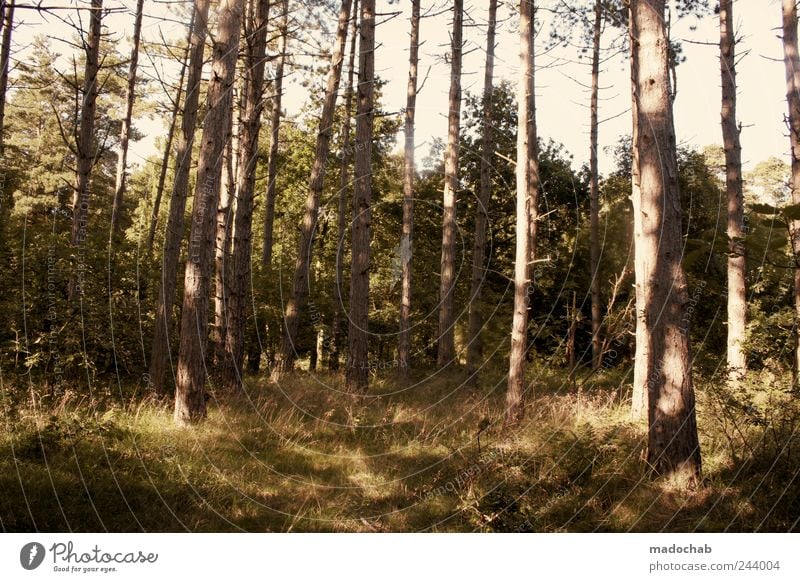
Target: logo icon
[31,555]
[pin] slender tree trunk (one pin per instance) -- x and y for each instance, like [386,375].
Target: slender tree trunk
[119,188]
[673,446]
[84,145]
[190,404]
[162,174]
[527,198]
[447,351]
[275,126]
[792,62]
[249,128]
[337,326]
[406,237]
[7,21]
[474,344]
[594,189]
[357,374]
[737,301]
[161,355]
[299,296]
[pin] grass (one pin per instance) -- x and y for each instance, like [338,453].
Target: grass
[429,455]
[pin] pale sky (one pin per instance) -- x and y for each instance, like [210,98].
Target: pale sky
[562,112]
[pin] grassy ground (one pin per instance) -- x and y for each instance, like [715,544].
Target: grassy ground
[430,456]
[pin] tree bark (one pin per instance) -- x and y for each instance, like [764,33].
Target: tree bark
[406,237]
[673,447]
[337,326]
[474,344]
[7,21]
[594,189]
[84,147]
[527,198]
[446,349]
[737,300]
[275,127]
[162,174]
[792,63]
[161,355]
[119,188]
[190,404]
[357,373]
[299,296]
[249,127]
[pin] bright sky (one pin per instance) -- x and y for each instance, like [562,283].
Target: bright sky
[562,112]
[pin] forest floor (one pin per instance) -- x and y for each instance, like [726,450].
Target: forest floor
[425,456]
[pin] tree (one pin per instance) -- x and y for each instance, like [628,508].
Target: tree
[299,295]
[160,354]
[406,238]
[250,126]
[672,444]
[7,22]
[791,60]
[594,191]
[275,128]
[190,404]
[737,301]
[527,197]
[119,188]
[446,349]
[84,143]
[337,325]
[357,372]
[474,345]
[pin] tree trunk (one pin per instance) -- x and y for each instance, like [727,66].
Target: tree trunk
[474,345]
[162,174]
[7,21]
[84,146]
[275,126]
[594,189]
[161,355]
[406,237]
[299,296]
[357,374]
[792,62]
[337,326]
[119,188]
[673,447]
[447,352]
[527,198]
[249,128]
[190,405]
[737,300]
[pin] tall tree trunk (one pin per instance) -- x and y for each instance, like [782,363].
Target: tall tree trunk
[190,404]
[527,198]
[446,349]
[357,374]
[249,127]
[792,63]
[84,145]
[337,326]
[594,189]
[474,345]
[7,21]
[672,442]
[162,174]
[299,296]
[161,355]
[737,300]
[275,126]
[119,188]
[406,237]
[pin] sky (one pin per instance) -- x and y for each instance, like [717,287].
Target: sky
[561,77]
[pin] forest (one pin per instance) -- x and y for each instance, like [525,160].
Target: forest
[358,266]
